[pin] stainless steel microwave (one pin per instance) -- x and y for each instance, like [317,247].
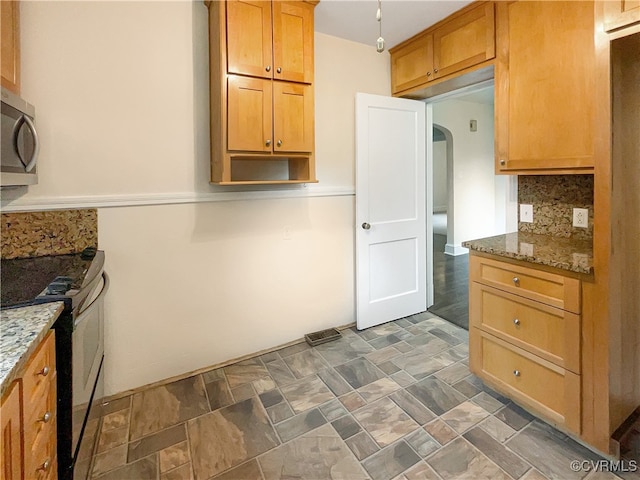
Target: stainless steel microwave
[19,141]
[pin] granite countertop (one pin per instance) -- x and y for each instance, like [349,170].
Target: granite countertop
[558,252]
[21,331]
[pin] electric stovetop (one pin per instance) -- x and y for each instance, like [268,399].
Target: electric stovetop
[27,281]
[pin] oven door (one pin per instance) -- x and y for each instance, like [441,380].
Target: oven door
[87,356]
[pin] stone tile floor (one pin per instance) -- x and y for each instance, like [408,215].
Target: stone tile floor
[395,401]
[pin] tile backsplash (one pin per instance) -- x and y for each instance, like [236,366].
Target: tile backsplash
[54,232]
[553,198]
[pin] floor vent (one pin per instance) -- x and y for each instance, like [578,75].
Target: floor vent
[323,336]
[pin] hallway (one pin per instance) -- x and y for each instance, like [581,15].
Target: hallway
[450,284]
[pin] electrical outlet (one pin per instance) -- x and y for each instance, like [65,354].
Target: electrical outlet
[526,213]
[581,217]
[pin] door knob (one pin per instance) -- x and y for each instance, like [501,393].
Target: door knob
[516,373]
[516,322]
[279,70]
[279,143]
[435,70]
[268,142]
[268,68]
[366,226]
[516,281]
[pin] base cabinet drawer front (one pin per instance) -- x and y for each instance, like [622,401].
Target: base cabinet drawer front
[548,332]
[540,385]
[40,369]
[548,288]
[40,458]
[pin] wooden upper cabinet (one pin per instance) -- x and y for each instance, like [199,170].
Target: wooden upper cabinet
[249,127]
[293,41]
[249,35]
[10,63]
[464,41]
[412,64]
[292,117]
[461,41]
[621,13]
[544,87]
[270,39]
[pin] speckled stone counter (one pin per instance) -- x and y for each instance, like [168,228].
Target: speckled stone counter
[21,331]
[564,253]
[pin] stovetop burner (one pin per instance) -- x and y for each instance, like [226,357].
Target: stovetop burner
[30,280]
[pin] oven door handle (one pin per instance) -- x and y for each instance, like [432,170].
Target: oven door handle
[99,297]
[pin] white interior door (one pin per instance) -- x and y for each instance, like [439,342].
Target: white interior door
[391,205]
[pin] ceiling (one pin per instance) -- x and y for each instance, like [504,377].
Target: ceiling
[356,19]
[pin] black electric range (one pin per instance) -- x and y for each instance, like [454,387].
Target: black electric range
[79,281]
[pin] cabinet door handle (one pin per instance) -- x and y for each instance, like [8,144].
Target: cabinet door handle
[279,143]
[516,373]
[268,142]
[428,74]
[516,322]
[503,162]
[45,466]
[279,70]
[45,418]
[435,70]
[516,281]
[44,372]
[268,68]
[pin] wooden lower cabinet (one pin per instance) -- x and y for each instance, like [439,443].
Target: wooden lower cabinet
[521,342]
[28,415]
[11,441]
[551,391]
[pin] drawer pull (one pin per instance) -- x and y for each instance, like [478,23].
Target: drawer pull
[45,466]
[44,372]
[516,322]
[45,418]
[516,281]
[516,373]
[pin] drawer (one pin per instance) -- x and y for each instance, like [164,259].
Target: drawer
[545,388]
[41,421]
[545,287]
[548,332]
[38,373]
[40,458]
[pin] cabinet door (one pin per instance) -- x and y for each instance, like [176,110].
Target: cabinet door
[621,13]
[464,41]
[412,64]
[9,17]
[249,38]
[249,124]
[544,108]
[293,117]
[293,41]
[11,440]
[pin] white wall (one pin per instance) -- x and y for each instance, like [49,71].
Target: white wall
[440,190]
[476,208]
[121,95]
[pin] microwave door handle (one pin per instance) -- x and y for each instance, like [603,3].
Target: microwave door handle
[36,144]
[16,131]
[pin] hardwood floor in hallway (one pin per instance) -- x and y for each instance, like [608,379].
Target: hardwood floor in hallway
[450,284]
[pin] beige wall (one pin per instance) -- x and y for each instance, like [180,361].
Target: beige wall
[121,95]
